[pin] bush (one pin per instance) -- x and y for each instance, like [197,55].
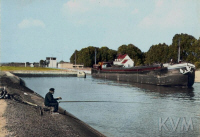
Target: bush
[197,65]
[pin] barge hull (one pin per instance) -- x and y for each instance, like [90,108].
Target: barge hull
[163,77]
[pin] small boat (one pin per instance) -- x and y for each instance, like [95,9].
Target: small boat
[81,74]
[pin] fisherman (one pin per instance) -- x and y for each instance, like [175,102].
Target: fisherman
[50,101]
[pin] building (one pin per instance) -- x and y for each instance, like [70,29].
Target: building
[14,64]
[69,65]
[124,60]
[36,64]
[78,66]
[51,62]
[63,65]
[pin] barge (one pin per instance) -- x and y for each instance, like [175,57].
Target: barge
[182,74]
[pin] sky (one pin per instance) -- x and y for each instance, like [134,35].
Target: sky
[32,30]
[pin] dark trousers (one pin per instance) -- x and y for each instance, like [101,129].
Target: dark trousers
[55,105]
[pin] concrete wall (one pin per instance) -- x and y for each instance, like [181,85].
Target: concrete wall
[65,65]
[53,64]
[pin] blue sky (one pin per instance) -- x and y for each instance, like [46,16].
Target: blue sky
[32,30]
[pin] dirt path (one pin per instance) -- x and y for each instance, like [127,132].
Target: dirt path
[3,131]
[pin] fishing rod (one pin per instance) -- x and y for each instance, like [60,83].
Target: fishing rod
[99,101]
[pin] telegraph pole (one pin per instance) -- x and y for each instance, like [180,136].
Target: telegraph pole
[95,55]
[75,57]
[178,50]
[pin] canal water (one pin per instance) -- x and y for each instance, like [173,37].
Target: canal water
[132,109]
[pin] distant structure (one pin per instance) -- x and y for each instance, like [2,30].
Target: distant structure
[124,60]
[65,65]
[78,66]
[36,64]
[13,64]
[69,65]
[51,62]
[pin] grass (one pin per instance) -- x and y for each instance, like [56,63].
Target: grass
[10,68]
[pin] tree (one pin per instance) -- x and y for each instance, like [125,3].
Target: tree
[187,48]
[133,52]
[157,54]
[86,55]
[42,63]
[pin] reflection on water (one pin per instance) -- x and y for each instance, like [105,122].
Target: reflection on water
[140,117]
[164,91]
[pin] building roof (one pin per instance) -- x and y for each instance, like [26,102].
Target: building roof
[121,56]
[124,61]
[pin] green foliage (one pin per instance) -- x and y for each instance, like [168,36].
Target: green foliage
[188,51]
[11,68]
[42,63]
[197,65]
[86,56]
[157,54]
[61,61]
[133,52]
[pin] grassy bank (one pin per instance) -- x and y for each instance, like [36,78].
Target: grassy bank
[11,68]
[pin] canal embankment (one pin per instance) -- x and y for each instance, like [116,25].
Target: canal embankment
[53,73]
[3,106]
[21,118]
[45,73]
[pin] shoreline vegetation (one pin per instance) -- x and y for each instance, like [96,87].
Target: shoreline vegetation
[12,68]
[157,53]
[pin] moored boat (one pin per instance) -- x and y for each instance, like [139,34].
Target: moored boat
[81,74]
[182,74]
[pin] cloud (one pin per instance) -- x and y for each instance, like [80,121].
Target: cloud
[27,23]
[75,6]
[80,6]
[166,14]
[113,3]
[81,12]
[159,3]
[135,11]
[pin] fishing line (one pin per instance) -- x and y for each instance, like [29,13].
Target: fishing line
[102,102]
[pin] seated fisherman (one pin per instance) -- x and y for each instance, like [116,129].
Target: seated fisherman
[50,101]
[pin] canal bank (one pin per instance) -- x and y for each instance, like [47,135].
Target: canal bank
[45,73]
[3,131]
[23,119]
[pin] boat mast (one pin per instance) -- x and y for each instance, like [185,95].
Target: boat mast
[75,57]
[178,50]
[95,55]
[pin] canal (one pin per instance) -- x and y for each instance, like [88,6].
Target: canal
[131,110]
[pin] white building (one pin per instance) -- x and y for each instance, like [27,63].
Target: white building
[52,63]
[124,60]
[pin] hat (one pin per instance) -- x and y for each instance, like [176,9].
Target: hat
[51,89]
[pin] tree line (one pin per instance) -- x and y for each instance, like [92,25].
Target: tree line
[159,53]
